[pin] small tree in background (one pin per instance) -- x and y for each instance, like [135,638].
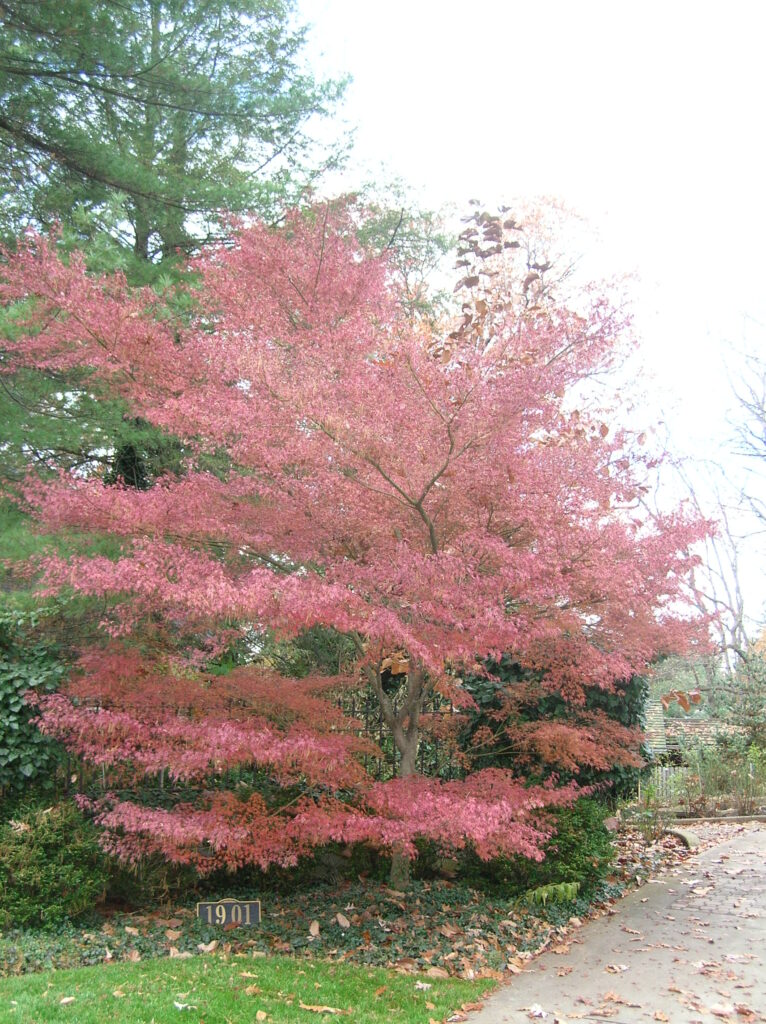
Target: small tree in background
[341,467]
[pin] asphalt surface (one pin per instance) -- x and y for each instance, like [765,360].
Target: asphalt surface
[688,947]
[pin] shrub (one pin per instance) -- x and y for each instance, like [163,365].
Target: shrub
[26,663]
[51,867]
[580,852]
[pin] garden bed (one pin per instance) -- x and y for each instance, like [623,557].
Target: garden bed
[440,928]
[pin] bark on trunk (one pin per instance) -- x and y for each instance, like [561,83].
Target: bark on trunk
[404,725]
[407,744]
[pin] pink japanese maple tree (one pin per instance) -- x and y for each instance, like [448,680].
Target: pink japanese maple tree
[439,504]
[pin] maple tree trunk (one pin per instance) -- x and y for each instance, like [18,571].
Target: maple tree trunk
[404,725]
[406,736]
[399,877]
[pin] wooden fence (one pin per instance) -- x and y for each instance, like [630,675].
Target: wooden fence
[665,783]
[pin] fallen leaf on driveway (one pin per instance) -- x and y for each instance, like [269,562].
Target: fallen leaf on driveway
[616,968]
[722,1009]
[613,997]
[745,1012]
[659,1015]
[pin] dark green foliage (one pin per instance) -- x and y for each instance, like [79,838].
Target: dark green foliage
[581,851]
[436,920]
[51,867]
[317,650]
[26,663]
[175,110]
[512,695]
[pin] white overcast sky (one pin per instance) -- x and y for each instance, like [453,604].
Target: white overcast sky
[648,119]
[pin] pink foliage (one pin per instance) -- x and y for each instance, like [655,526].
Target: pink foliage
[451,508]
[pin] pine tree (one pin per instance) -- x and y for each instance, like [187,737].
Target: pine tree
[149,117]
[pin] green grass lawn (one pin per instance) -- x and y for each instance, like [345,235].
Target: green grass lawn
[214,990]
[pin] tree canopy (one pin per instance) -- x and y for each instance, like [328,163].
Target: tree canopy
[148,117]
[342,467]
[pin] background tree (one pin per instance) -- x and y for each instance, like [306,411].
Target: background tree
[438,512]
[145,119]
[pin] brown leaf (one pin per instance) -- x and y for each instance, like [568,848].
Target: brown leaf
[488,972]
[405,965]
[379,991]
[172,935]
[314,928]
[134,956]
[745,1012]
[261,1015]
[207,947]
[616,968]
[66,1000]
[342,920]
[253,990]
[177,955]
[467,282]
[320,1009]
[437,972]
[659,1015]
[131,931]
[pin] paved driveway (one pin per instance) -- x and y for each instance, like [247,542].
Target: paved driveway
[689,947]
